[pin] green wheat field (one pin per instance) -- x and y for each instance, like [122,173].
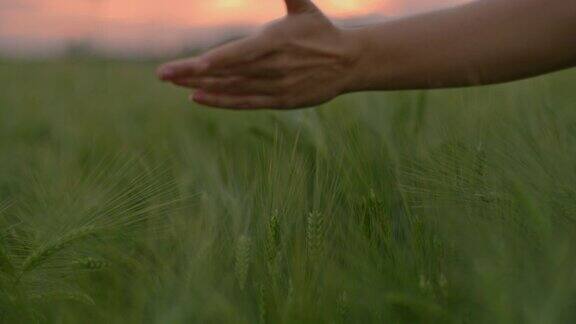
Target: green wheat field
[123,203]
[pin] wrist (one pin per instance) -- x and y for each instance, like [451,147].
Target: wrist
[363,66]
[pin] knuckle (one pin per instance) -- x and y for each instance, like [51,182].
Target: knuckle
[273,28]
[274,38]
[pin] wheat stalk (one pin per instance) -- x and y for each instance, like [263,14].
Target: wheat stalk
[44,252]
[343,307]
[273,237]
[6,265]
[315,236]
[66,296]
[262,305]
[91,264]
[243,247]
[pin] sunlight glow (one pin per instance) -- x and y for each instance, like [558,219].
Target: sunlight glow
[229,4]
[352,6]
[136,22]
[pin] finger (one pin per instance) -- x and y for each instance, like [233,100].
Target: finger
[181,68]
[236,85]
[237,102]
[299,6]
[226,56]
[182,82]
[212,84]
[262,69]
[267,67]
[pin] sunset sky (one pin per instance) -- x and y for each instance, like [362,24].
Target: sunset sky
[26,24]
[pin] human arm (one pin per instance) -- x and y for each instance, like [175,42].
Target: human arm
[483,42]
[304,60]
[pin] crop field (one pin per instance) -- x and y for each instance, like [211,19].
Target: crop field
[123,203]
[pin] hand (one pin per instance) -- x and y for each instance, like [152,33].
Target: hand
[299,61]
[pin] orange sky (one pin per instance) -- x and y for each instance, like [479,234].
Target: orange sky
[163,20]
[195,12]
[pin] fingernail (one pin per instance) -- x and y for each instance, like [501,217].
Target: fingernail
[198,96]
[166,73]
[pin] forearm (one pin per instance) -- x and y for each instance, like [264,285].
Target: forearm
[487,41]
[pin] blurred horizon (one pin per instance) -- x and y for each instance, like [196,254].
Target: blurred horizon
[145,28]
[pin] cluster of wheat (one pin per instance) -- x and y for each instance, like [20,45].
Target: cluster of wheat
[41,268]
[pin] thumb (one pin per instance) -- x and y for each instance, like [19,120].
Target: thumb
[299,6]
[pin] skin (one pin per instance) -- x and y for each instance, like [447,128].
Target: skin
[304,60]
